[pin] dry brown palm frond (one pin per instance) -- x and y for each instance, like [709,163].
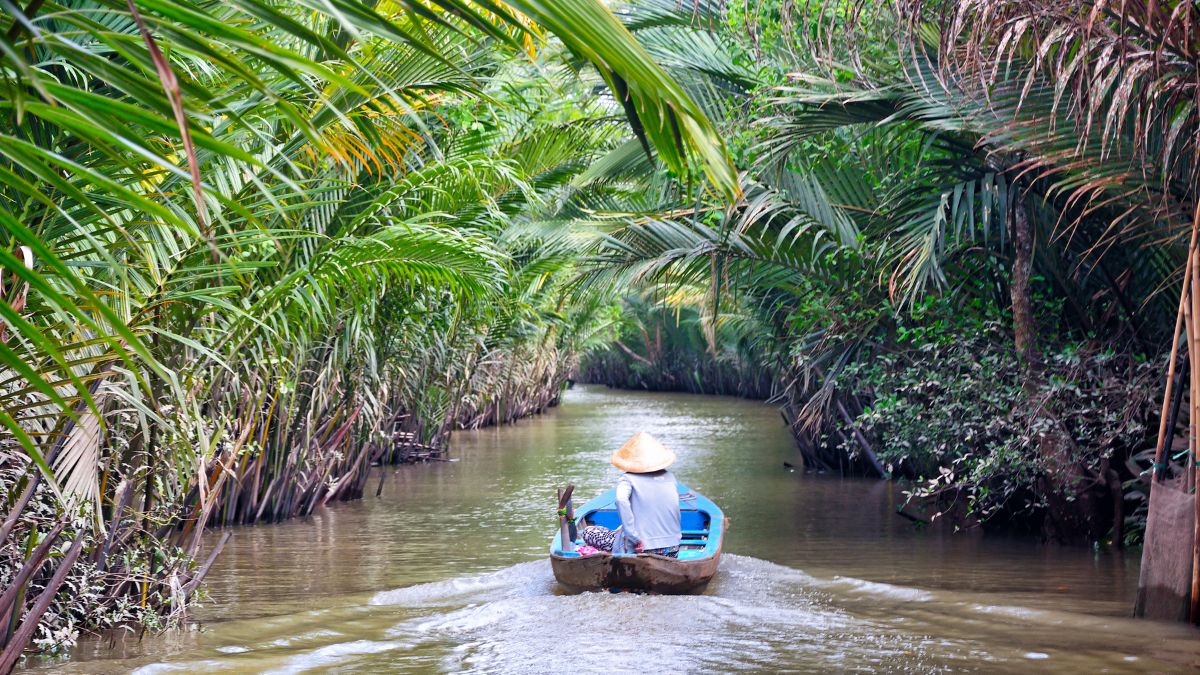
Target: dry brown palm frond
[1117,79]
[1097,100]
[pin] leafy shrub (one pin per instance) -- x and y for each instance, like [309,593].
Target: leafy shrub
[959,418]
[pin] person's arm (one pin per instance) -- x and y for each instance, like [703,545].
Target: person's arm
[625,509]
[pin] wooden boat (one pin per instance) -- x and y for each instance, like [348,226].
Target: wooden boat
[703,525]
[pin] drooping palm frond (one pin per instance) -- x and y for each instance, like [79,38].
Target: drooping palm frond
[687,40]
[962,178]
[661,112]
[768,234]
[1098,101]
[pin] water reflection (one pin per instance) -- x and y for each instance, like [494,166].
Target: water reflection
[447,571]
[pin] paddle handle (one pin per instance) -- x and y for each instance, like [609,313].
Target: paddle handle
[572,528]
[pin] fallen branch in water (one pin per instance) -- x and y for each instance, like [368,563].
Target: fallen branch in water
[29,624]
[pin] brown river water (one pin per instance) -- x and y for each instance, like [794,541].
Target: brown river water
[447,571]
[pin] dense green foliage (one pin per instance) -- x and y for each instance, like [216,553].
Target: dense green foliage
[251,249]
[957,224]
[959,417]
[666,348]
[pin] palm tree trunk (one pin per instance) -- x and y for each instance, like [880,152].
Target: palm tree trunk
[1074,510]
[1024,328]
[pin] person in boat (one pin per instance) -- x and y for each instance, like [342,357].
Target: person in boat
[647,501]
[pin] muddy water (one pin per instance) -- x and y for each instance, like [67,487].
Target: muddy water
[447,571]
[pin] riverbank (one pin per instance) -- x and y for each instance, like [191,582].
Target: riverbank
[446,570]
[145,569]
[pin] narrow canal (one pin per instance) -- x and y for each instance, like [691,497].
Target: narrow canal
[447,571]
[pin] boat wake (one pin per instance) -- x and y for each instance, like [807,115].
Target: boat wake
[518,619]
[754,615]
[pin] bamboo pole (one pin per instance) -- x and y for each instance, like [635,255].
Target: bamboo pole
[1163,438]
[1194,425]
[1189,337]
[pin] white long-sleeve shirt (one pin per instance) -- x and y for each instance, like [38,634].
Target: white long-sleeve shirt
[648,504]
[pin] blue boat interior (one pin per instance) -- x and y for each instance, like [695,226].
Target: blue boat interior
[700,521]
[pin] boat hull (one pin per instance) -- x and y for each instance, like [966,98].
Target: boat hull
[643,572]
[702,530]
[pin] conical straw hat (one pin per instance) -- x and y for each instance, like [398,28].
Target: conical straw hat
[642,454]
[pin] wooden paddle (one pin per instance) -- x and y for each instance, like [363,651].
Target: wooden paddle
[566,519]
